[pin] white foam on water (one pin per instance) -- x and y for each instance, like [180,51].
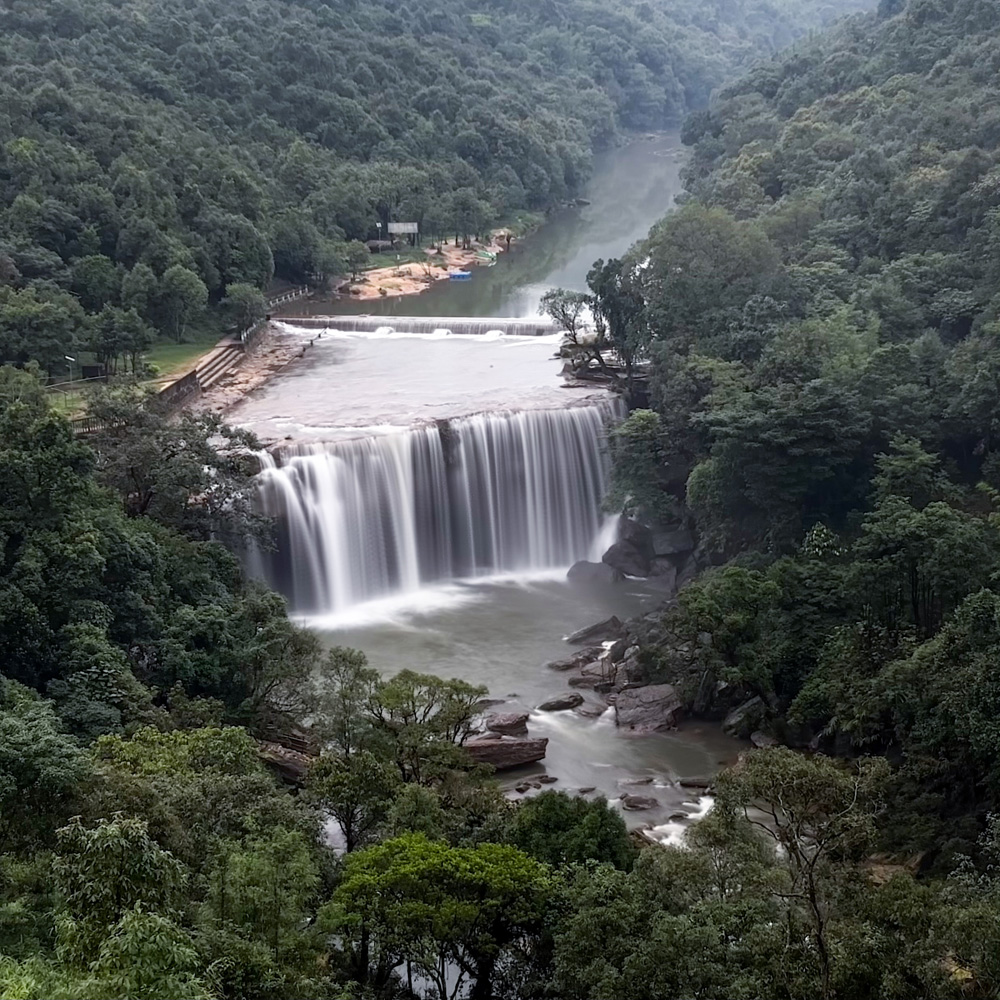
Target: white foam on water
[674,832]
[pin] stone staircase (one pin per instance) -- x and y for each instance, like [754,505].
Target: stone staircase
[219,363]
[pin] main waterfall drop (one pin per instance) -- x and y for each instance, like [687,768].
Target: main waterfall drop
[497,493]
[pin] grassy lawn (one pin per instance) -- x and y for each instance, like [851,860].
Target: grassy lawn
[69,402]
[171,357]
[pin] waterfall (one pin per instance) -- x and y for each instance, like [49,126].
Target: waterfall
[464,326]
[387,514]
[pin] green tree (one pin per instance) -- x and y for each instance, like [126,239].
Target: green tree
[41,768]
[245,303]
[560,830]
[182,298]
[105,873]
[449,914]
[356,790]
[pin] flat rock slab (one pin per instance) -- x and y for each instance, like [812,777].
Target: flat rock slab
[610,628]
[508,723]
[503,752]
[647,709]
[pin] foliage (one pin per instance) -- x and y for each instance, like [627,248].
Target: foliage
[448,913]
[152,158]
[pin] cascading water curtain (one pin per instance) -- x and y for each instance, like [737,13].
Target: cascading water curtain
[387,514]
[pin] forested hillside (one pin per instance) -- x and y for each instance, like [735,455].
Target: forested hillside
[822,323]
[152,155]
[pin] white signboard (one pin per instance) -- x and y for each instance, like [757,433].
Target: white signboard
[403,228]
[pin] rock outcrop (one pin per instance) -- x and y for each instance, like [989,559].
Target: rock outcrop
[577,661]
[745,719]
[504,752]
[605,631]
[628,559]
[647,709]
[673,543]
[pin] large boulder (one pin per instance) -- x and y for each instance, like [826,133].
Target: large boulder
[628,559]
[745,719]
[605,631]
[663,576]
[635,534]
[673,543]
[593,573]
[647,709]
[503,752]
[561,704]
[508,723]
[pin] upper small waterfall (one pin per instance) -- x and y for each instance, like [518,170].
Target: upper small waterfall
[385,514]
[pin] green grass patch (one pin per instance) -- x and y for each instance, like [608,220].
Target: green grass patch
[389,259]
[171,358]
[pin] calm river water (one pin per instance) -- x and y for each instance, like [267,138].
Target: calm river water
[499,631]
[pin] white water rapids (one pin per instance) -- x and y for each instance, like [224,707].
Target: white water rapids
[388,514]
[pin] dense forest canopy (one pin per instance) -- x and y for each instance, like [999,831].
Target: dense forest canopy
[819,327]
[822,323]
[153,156]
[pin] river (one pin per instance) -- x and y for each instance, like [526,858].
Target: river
[436,487]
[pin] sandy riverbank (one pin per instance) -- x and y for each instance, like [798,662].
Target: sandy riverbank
[417,276]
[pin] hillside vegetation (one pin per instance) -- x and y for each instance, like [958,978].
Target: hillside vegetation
[822,324]
[154,154]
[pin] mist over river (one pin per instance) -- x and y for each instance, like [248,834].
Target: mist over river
[432,490]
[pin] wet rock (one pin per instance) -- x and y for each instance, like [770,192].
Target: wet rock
[647,709]
[485,703]
[595,674]
[628,559]
[581,659]
[590,711]
[583,681]
[591,572]
[503,752]
[675,817]
[745,719]
[508,723]
[636,803]
[585,791]
[648,780]
[672,543]
[548,779]
[700,783]
[635,534]
[616,651]
[761,740]
[521,789]
[536,785]
[561,704]
[605,631]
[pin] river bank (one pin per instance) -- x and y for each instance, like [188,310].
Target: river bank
[414,277]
